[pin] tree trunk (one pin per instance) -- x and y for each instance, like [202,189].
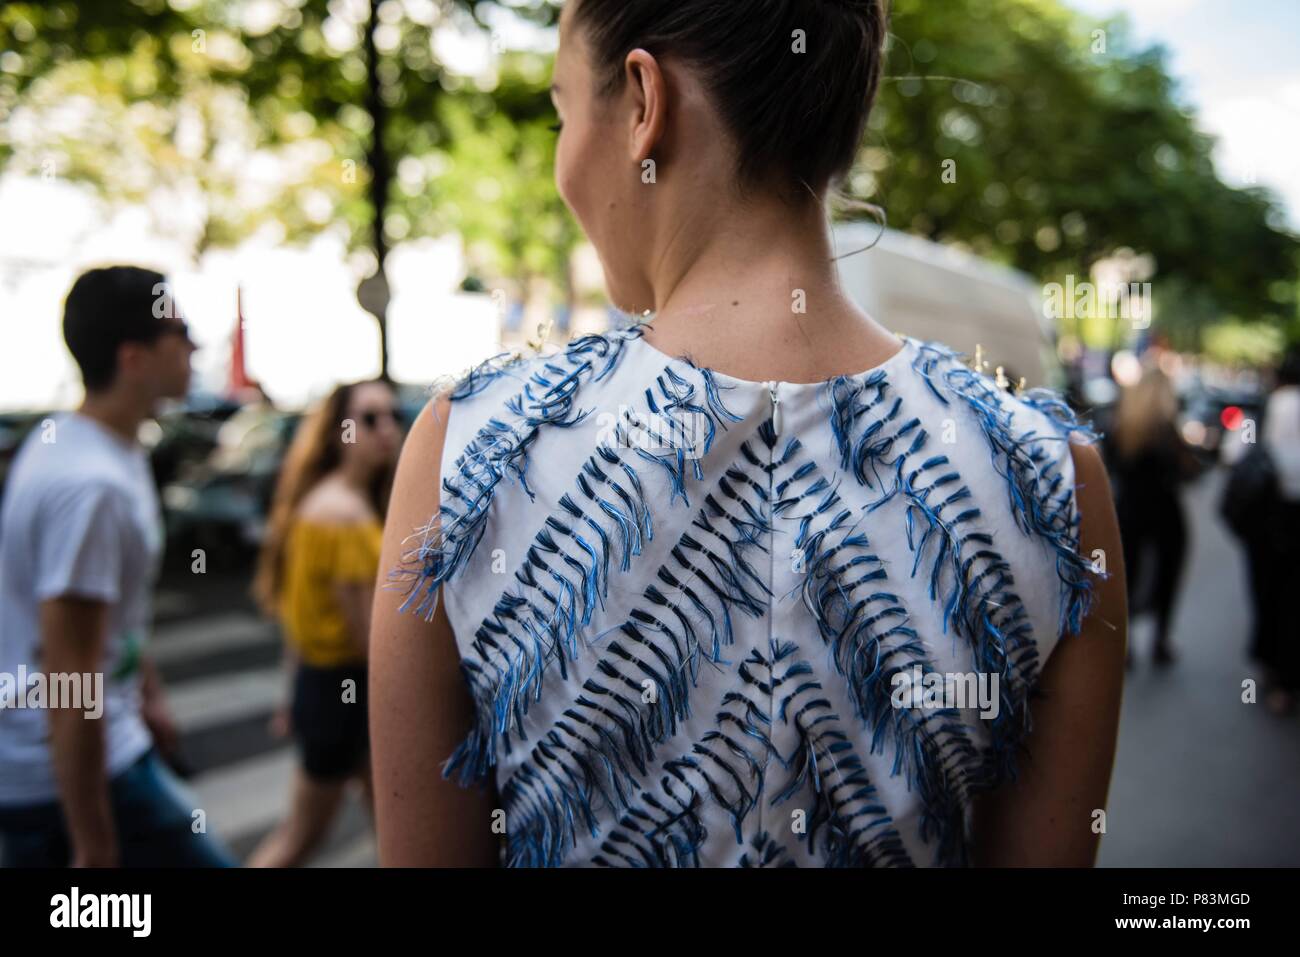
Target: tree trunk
[380,172]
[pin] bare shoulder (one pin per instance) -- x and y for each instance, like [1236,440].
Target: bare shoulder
[333,502]
[423,447]
[421,709]
[414,505]
[416,486]
[1099,537]
[429,432]
[1091,481]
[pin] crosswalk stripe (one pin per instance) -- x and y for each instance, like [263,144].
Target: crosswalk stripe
[223,681]
[359,852]
[243,802]
[226,698]
[186,639]
[248,796]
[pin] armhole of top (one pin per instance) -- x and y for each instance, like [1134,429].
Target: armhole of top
[452,445]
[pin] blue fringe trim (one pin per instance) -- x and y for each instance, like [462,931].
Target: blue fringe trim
[677,398]
[594,757]
[966,575]
[498,451]
[767,853]
[1041,501]
[667,829]
[870,640]
[477,379]
[564,578]
[725,767]
[846,805]
[597,754]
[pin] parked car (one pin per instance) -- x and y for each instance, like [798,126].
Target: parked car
[221,503]
[187,436]
[177,438]
[1211,416]
[14,427]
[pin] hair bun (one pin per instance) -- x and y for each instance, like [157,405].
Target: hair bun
[796,110]
[873,12]
[858,6]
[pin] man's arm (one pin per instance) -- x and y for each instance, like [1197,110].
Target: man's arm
[73,635]
[155,711]
[1046,817]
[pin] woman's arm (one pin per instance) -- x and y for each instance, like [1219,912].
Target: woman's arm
[281,723]
[420,708]
[356,602]
[1046,818]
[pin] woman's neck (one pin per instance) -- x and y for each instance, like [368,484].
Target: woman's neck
[355,474]
[755,293]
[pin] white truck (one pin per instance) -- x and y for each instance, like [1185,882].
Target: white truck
[929,291]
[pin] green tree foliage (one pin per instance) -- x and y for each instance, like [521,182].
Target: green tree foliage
[300,67]
[369,132]
[199,163]
[1067,143]
[491,180]
[1063,142]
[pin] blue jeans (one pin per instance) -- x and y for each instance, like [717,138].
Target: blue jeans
[153,815]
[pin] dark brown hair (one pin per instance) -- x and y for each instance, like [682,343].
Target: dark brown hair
[797,118]
[316,450]
[105,308]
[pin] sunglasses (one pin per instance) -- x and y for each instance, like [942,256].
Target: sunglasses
[370,418]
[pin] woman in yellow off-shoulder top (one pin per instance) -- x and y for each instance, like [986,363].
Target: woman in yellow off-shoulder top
[323,554]
[316,575]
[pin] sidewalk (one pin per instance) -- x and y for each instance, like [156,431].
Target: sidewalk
[1202,779]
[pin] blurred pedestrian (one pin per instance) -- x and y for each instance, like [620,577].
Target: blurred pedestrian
[1149,462]
[316,574]
[1261,505]
[78,561]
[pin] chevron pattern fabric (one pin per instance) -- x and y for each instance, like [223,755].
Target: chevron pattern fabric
[713,622]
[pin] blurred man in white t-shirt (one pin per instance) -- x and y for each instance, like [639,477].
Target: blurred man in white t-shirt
[81,782]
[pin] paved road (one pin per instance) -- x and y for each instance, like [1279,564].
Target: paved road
[224,681]
[1201,778]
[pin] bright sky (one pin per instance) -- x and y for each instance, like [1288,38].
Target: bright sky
[1236,63]
[304,330]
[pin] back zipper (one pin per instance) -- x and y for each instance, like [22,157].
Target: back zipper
[776,407]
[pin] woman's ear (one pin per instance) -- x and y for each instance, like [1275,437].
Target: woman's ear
[645,85]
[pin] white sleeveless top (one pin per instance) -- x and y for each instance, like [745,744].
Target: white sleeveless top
[714,622]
